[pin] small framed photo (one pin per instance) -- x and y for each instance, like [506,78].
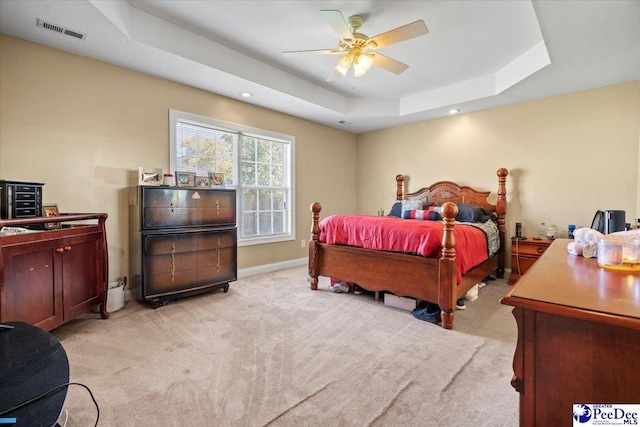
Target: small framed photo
[149,176]
[48,211]
[185,179]
[217,178]
[203,181]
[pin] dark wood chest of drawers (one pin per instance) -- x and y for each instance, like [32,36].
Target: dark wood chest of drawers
[182,241]
[20,199]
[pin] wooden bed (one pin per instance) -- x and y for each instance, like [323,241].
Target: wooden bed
[427,279]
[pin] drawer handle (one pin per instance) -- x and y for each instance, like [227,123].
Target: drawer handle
[540,250]
[67,248]
[60,250]
[173,268]
[217,206]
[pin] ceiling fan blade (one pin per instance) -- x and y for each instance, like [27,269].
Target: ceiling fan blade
[335,75]
[338,23]
[389,64]
[312,52]
[400,34]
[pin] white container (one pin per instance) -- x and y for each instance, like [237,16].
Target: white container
[620,251]
[403,303]
[115,297]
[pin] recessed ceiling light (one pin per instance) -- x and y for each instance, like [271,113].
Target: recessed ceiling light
[246,94]
[454,111]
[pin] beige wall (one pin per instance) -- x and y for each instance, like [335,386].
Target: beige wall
[83,127]
[567,157]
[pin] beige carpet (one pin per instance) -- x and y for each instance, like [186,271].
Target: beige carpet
[273,352]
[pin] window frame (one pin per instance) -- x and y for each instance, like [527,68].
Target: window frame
[176,116]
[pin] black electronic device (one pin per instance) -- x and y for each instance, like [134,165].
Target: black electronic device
[518,230]
[614,221]
[608,222]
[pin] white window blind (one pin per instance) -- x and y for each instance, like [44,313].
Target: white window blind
[257,163]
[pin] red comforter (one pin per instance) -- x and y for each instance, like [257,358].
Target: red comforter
[409,236]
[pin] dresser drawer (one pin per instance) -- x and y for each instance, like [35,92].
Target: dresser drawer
[519,265]
[524,253]
[161,244]
[21,188]
[530,248]
[171,208]
[26,212]
[25,204]
[223,239]
[192,241]
[171,273]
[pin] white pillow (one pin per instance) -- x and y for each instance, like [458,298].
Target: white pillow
[410,205]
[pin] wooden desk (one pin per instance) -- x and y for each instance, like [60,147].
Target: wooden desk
[578,336]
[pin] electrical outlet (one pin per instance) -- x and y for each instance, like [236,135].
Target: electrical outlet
[302,243]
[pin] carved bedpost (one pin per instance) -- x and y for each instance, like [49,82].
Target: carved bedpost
[313,244]
[501,211]
[399,184]
[448,271]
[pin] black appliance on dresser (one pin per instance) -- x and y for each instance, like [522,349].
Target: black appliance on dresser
[20,199]
[182,241]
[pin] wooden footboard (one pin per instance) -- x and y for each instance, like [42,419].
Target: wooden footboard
[414,276]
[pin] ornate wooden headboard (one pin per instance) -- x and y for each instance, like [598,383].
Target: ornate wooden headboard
[448,191]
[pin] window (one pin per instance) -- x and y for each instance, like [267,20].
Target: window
[257,163]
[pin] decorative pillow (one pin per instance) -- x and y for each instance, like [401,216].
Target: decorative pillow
[466,213]
[410,205]
[418,213]
[396,209]
[424,197]
[471,213]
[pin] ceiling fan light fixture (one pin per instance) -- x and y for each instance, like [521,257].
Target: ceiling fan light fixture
[344,63]
[356,46]
[362,64]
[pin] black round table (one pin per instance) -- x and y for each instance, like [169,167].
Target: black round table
[32,362]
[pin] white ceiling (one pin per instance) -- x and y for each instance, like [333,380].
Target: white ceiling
[478,54]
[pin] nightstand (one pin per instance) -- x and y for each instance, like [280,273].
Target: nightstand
[524,253]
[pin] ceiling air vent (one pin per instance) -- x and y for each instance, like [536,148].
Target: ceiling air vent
[61,30]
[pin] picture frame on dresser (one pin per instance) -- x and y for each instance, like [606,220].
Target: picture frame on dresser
[149,176]
[217,179]
[203,181]
[185,179]
[51,210]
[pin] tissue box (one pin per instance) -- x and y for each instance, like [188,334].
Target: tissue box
[402,303]
[620,251]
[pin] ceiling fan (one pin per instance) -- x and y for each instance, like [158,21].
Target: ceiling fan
[359,50]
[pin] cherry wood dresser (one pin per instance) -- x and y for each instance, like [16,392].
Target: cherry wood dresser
[49,277]
[182,241]
[578,336]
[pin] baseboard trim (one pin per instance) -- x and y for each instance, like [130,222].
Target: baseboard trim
[269,268]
